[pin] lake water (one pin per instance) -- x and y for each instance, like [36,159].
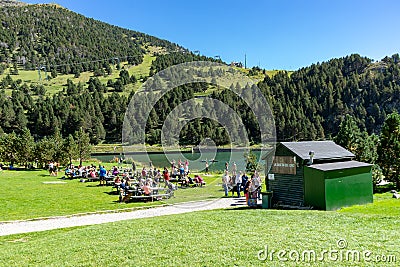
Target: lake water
[196,160]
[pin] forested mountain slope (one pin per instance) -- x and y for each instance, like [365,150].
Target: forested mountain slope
[310,103]
[66,42]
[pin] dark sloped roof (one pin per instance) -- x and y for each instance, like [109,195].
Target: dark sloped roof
[339,165]
[322,150]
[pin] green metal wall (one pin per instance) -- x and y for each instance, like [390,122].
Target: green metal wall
[314,188]
[351,189]
[331,190]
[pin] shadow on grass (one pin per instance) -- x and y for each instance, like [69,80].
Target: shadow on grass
[235,207]
[29,170]
[96,185]
[111,193]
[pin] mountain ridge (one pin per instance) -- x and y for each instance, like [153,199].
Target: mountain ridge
[11,3]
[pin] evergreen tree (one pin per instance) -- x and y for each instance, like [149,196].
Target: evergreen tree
[44,151]
[58,147]
[348,135]
[25,147]
[251,162]
[70,148]
[389,149]
[83,145]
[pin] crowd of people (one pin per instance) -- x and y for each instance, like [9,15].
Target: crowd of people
[239,182]
[127,178]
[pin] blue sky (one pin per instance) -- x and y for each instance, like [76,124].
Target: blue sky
[274,34]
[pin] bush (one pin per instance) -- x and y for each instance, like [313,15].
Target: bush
[127,161]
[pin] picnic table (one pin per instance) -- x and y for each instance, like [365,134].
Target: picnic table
[138,194]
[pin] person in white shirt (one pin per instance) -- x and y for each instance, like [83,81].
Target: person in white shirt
[238,182]
[234,169]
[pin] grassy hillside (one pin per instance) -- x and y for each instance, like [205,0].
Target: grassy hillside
[62,41]
[55,85]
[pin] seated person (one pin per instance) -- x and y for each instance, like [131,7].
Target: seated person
[149,181]
[117,180]
[128,181]
[190,180]
[81,169]
[115,171]
[184,181]
[92,173]
[174,173]
[146,189]
[69,173]
[198,180]
[122,185]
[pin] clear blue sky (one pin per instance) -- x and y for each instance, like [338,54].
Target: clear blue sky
[276,34]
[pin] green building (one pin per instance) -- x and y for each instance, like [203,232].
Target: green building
[320,174]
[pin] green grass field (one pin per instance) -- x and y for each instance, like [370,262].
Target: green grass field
[27,195]
[232,237]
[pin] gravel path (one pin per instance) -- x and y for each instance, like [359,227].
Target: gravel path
[18,227]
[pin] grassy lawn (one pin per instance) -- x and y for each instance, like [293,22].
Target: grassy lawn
[232,237]
[27,195]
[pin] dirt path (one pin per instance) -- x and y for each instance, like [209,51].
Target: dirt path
[18,227]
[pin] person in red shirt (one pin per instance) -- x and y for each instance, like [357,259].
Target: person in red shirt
[166,176]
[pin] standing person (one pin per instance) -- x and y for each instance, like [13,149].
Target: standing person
[102,175]
[187,167]
[225,182]
[181,172]
[244,179]
[133,167]
[51,168]
[166,176]
[234,169]
[238,182]
[256,181]
[144,173]
[226,166]
[246,186]
[206,170]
